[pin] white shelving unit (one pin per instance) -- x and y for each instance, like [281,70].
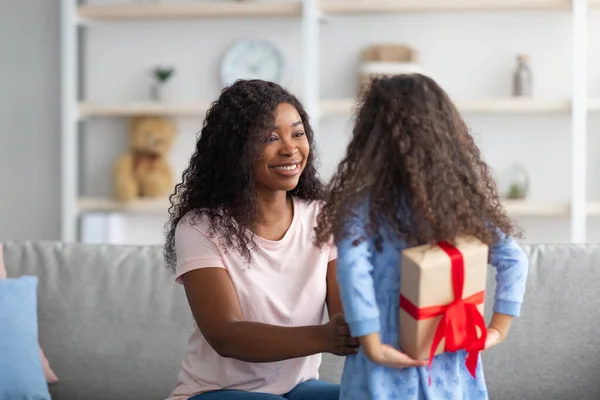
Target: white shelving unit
[515,208]
[141,108]
[480,106]
[311,12]
[405,6]
[159,11]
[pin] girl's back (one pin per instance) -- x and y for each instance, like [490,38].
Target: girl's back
[412,175]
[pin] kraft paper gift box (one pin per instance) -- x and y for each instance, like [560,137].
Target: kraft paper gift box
[441,299]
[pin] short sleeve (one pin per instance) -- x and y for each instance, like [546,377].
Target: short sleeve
[333,253]
[194,249]
[315,210]
[2,268]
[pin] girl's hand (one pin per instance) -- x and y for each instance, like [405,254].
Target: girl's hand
[390,357]
[497,330]
[337,339]
[494,338]
[386,355]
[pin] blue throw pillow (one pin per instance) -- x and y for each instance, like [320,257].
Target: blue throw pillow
[21,372]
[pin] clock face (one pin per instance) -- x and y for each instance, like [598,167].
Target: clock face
[252,59]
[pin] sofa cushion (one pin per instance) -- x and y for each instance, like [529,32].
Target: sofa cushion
[48,372]
[21,372]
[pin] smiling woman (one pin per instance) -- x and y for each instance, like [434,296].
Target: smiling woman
[285,154]
[241,241]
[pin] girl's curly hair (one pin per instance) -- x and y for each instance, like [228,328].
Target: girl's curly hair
[219,181]
[411,150]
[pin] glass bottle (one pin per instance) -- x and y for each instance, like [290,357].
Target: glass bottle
[522,78]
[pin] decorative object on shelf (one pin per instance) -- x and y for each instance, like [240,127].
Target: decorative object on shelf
[253,59]
[160,75]
[386,59]
[522,77]
[144,171]
[518,182]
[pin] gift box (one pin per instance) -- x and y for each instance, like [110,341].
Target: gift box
[441,299]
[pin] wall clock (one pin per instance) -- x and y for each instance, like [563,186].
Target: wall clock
[253,59]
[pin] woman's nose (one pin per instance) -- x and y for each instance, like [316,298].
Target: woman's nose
[288,148]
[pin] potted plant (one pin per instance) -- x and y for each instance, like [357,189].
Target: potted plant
[518,182]
[160,75]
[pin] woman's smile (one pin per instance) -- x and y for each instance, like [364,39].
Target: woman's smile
[287,169]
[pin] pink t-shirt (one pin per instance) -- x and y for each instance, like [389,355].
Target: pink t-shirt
[285,285]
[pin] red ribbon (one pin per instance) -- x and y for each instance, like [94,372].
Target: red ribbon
[460,318]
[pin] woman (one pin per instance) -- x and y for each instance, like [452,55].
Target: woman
[241,241]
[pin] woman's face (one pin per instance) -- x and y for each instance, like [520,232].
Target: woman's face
[285,152]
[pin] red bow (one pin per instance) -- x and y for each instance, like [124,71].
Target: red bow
[460,318]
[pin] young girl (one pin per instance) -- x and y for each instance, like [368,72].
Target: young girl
[412,175]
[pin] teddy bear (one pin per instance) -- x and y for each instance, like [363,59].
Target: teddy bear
[144,171]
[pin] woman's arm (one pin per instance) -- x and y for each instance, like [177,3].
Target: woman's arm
[217,312]
[333,300]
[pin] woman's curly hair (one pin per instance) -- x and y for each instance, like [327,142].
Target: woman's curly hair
[411,150]
[219,181]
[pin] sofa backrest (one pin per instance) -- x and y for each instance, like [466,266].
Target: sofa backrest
[553,348]
[113,323]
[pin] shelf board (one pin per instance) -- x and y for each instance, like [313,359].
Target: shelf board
[593,103]
[338,106]
[515,208]
[514,105]
[332,107]
[527,208]
[142,108]
[108,205]
[483,106]
[593,209]
[388,6]
[216,9]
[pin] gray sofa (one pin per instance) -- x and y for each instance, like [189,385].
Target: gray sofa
[114,325]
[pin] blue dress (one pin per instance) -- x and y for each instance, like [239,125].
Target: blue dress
[370,290]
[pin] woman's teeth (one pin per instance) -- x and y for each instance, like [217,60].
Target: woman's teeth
[286,168]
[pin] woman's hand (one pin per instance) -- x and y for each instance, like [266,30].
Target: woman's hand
[337,338]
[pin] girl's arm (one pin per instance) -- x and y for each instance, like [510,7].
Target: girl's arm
[357,290]
[512,266]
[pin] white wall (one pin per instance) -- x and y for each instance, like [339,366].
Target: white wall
[29,120]
[470,54]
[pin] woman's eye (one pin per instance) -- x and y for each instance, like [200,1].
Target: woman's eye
[271,139]
[299,134]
